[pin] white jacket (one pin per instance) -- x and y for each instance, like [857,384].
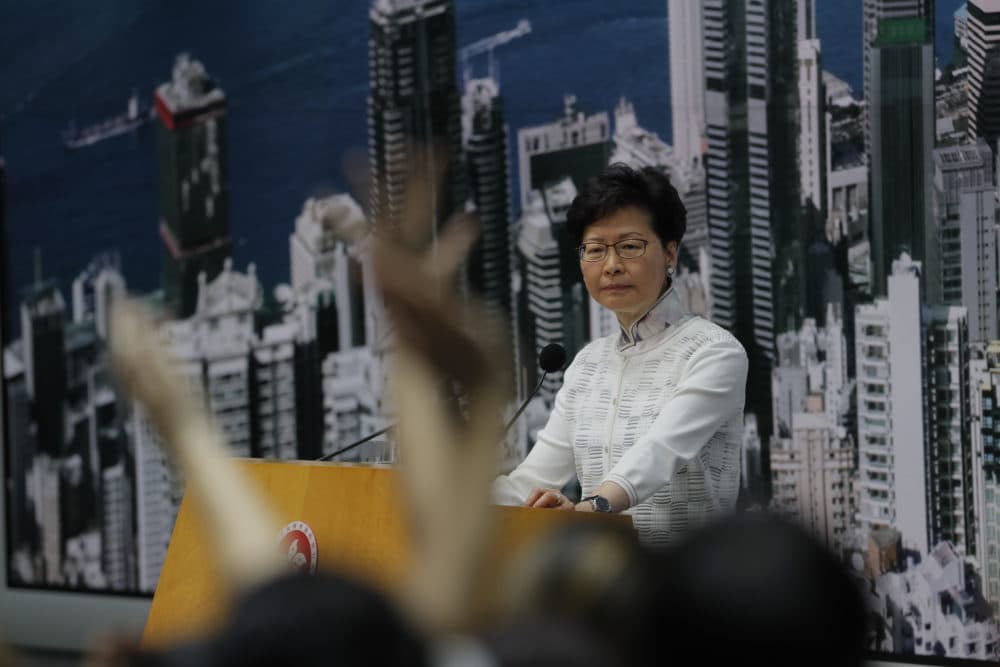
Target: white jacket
[659,411]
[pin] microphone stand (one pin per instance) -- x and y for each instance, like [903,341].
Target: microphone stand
[525,404]
[370,436]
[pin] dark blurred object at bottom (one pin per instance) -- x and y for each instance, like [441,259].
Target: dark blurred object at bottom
[753,587]
[303,621]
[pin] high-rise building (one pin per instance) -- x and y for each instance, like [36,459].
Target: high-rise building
[914,467]
[687,80]
[874,11]
[413,101]
[194,181]
[983,84]
[273,392]
[223,331]
[754,215]
[576,146]
[811,475]
[484,136]
[543,301]
[158,492]
[42,485]
[985,404]
[902,140]
[332,302]
[326,261]
[43,329]
[812,453]
[812,144]
[949,454]
[95,289]
[117,534]
[965,250]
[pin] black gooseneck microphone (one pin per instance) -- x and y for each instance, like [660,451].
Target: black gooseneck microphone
[550,359]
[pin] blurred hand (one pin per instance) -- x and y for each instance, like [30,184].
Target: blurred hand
[549,498]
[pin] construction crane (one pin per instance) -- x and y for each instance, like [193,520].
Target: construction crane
[487,44]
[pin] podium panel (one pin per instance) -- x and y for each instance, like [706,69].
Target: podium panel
[360,525]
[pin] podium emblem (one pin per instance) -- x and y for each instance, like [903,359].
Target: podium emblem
[298,543]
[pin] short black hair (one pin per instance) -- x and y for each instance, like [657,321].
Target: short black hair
[620,186]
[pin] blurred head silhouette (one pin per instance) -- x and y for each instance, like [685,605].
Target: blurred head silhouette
[300,620]
[584,578]
[749,587]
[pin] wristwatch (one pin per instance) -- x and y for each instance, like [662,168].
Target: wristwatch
[599,503]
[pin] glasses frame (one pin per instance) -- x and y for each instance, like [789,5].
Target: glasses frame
[581,248]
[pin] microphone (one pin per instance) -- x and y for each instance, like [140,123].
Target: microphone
[550,359]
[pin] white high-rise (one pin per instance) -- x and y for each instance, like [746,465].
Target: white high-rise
[274,378]
[812,125]
[687,80]
[223,326]
[326,255]
[890,384]
[911,463]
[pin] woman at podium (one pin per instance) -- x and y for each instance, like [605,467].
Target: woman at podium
[649,418]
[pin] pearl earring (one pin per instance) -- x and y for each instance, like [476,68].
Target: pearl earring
[670,271]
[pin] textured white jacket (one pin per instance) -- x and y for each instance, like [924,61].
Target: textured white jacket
[658,410]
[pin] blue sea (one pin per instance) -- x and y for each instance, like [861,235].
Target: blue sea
[295,75]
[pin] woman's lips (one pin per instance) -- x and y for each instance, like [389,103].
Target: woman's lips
[615,288]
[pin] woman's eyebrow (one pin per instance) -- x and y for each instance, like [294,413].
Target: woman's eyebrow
[621,236]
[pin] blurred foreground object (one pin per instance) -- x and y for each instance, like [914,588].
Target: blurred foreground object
[242,525]
[753,587]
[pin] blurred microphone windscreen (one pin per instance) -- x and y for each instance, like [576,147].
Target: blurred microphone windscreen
[552,357]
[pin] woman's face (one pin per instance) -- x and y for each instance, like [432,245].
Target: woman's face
[628,287]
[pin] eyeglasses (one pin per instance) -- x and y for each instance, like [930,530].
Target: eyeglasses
[593,251]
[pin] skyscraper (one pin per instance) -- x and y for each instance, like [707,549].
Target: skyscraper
[812,143]
[875,11]
[484,136]
[902,139]
[553,306]
[43,329]
[983,38]
[413,100]
[194,182]
[964,253]
[687,80]
[914,468]
[754,216]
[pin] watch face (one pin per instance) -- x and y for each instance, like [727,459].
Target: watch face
[601,504]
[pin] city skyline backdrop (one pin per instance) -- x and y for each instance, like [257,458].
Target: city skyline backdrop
[850,247]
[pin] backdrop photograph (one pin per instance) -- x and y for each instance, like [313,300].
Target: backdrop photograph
[230,164]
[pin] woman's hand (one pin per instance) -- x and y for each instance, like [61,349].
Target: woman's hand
[549,498]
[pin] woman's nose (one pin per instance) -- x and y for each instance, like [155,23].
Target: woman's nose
[612,262]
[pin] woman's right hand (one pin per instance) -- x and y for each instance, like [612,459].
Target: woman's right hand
[549,498]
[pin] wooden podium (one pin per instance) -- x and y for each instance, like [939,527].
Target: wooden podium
[357,517]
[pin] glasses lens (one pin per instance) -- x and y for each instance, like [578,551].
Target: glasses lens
[592,252]
[630,248]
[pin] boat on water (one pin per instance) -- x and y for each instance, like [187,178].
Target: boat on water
[136,115]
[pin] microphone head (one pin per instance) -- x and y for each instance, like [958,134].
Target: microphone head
[552,357]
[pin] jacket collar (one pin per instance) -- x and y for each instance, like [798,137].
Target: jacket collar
[667,310]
